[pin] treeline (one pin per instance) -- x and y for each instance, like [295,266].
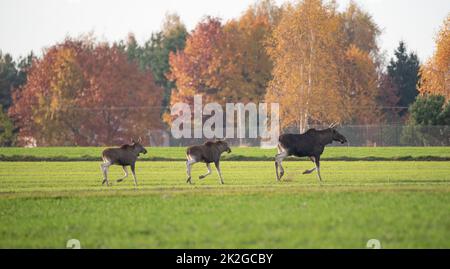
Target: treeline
[320,64]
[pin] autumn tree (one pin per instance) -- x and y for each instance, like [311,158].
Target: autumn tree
[359,87]
[359,67]
[325,65]
[388,97]
[360,30]
[196,69]
[86,93]
[246,65]
[226,62]
[301,47]
[435,74]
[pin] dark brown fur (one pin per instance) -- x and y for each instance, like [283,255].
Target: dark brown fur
[209,152]
[310,144]
[125,155]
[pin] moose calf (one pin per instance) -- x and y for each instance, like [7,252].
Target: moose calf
[125,156]
[207,153]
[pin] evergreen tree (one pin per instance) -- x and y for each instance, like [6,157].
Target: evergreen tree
[12,76]
[154,54]
[8,78]
[8,132]
[23,66]
[430,110]
[404,71]
[429,122]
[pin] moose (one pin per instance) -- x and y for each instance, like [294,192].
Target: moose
[207,153]
[125,155]
[309,144]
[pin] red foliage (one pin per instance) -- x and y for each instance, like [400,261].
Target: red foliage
[83,93]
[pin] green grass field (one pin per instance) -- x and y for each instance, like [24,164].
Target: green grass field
[248,153]
[403,204]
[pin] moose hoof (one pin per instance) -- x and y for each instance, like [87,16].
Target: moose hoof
[188,180]
[201,177]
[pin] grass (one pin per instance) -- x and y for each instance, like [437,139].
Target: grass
[242,153]
[403,204]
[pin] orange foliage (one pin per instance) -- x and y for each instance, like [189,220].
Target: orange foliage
[225,63]
[435,74]
[320,73]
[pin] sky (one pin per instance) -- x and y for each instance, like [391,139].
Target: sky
[27,25]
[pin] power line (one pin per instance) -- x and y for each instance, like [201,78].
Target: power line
[168,107]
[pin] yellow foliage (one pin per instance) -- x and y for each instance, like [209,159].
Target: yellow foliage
[320,75]
[304,74]
[435,74]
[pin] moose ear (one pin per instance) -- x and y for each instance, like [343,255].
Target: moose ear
[140,140]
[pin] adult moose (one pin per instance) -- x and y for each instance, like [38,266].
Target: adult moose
[125,156]
[207,153]
[310,144]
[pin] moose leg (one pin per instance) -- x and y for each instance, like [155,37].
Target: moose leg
[279,149]
[278,159]
[318,168]
[209,171]
[126,174]
[105,167]
[189,164]
[309,171]
[218,171]
[134,175]
[276,170]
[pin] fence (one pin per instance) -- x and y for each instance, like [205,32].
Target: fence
[396,135]
[357,135]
